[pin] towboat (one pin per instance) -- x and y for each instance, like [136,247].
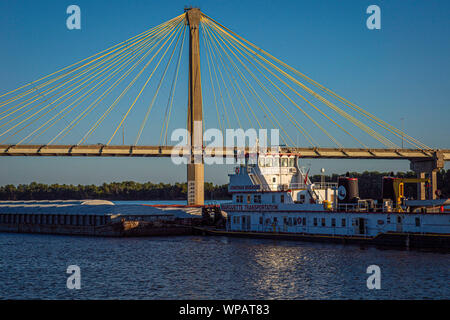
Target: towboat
[273,197]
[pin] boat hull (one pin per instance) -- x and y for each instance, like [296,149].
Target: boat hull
[404,240]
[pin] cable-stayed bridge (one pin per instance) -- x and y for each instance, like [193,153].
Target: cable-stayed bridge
[125,101]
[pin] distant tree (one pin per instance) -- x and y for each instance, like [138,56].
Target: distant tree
[369,187]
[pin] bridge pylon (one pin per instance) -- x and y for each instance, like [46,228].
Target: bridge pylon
[195,167]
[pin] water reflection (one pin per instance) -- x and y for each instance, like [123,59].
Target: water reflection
[192,267]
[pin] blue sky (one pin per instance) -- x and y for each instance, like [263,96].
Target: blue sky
[400,71]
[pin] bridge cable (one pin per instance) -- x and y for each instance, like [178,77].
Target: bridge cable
[125,63]
[148,79]
[241,62]
[174,85]
[100,120]
[293,102]
[315,107]
[250,88]
[363,127]
[84,96]
[248,104]
[108,50]
[182,30]
[232,82]
[208,57]
[39,95]
[208,43]
[371,117]
[94,76]
[291,118]
[274,117]
[61,85]
[303,99]
[165,119]
[220,90]
[255,94]
[94,104]
[106,92]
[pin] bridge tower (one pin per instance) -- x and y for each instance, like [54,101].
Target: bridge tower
[195,166]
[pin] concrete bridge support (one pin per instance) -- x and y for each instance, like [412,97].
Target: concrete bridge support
[427,168]
[195,167]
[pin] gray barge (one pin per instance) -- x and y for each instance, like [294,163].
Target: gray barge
[98,218]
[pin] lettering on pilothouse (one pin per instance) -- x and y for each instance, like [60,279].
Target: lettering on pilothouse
[250,187]
[249,207]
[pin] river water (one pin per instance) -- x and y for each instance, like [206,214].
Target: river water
[33,266]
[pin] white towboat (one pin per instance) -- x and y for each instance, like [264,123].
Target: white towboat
[274,197]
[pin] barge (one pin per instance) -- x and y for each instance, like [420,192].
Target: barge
[99,218]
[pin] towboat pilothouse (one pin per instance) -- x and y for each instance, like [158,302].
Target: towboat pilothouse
[275,198]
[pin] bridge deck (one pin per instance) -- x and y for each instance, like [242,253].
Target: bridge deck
[166,151]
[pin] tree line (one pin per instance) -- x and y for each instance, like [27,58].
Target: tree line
[126,190]
[369,188]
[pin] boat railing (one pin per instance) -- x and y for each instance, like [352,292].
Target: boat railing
[360,206]
[293,186]
[347,207]
[325,185]
[255,177]
[283,186]
[365,206]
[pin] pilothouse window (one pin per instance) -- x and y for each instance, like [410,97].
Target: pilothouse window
[261,162]
[268,162]
[276,162]
[284,162]
[291,162]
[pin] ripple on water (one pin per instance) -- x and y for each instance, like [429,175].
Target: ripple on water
[191,267]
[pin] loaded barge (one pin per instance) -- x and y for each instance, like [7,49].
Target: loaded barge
[101,218]
[274,198]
